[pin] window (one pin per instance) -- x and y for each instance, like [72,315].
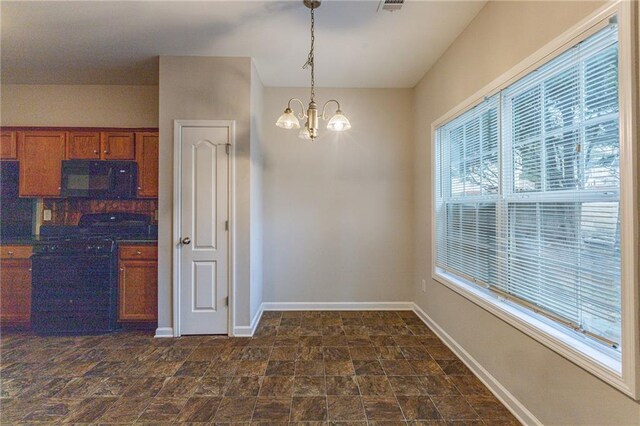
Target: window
[527,198]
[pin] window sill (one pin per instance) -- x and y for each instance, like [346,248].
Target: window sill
[603,362]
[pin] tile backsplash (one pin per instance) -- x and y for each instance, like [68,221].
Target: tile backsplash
[68,211]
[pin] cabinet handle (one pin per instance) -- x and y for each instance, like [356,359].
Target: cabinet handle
[95,151]
[10,253]
[138,252]
[30,270]
[121,269]
[106,152]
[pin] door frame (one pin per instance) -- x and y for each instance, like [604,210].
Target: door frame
[178,125]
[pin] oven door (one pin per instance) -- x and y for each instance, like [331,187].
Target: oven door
[73,293]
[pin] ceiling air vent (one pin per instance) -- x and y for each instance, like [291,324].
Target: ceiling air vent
[390,5]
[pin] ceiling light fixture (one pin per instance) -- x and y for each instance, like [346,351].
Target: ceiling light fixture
[288,119]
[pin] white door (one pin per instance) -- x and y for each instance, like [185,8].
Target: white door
[204,247]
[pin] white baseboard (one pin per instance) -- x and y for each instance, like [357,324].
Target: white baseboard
[509,401]
[337,306]
[248,331]
[164,332]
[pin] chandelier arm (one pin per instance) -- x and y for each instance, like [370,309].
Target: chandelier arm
[324,117]
[301,115]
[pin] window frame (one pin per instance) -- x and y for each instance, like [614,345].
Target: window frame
[620,370]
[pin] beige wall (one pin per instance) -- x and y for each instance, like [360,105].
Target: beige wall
[552,388]
[205,88]
[257,190]
[338,211]
[79,105]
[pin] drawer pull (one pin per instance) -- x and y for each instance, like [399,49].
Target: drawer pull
[138,252]
[10,253]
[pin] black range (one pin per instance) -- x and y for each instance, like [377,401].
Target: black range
[75,280]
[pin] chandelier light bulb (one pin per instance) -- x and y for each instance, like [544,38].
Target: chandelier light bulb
[339,122]
[304,134]
[288,120]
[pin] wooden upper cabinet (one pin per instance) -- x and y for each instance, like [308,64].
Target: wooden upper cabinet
[8,145]
[118,145]
[83,146]
[41,154]
[147,158]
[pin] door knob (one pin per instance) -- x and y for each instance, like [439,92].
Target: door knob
[186,241]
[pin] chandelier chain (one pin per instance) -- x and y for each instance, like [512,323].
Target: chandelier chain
[310,62]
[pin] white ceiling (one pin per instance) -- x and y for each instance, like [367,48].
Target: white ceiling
[100,42]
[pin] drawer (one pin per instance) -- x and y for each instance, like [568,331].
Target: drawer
[15,252]
[138,252]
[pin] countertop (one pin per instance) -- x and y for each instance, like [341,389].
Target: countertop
[21,241]
[34,239]
[140,240]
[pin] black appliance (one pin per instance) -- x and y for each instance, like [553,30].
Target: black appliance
[74,286]
[75,278]
[16,214]
[99,179]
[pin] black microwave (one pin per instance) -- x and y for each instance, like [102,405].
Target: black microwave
[99,179]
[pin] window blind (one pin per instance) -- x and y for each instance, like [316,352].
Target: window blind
[527,190]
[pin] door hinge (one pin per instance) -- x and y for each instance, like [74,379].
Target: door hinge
[226,301]
[226,225]
[227,148]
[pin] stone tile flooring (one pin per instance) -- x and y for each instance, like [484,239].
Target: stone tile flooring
[312,368]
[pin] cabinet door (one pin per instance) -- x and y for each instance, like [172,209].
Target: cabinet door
[117,146]
[147,158]
[15,291]
[40,154]
[8,146]
[138,290]
[83,146]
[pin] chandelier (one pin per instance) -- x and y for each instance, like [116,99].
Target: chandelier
[288,119]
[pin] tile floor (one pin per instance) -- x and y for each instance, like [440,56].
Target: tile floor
[315,368]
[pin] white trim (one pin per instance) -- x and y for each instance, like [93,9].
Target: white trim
[337,306]
[629,238]
[162,332]
[628,380]
[508,400]
[249,331]
[544,54]
[538,327]
[177,164]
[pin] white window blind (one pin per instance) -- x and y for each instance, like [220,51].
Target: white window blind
[527,190]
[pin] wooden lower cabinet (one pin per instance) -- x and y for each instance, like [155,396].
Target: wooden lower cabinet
[15,286]
[137,283]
